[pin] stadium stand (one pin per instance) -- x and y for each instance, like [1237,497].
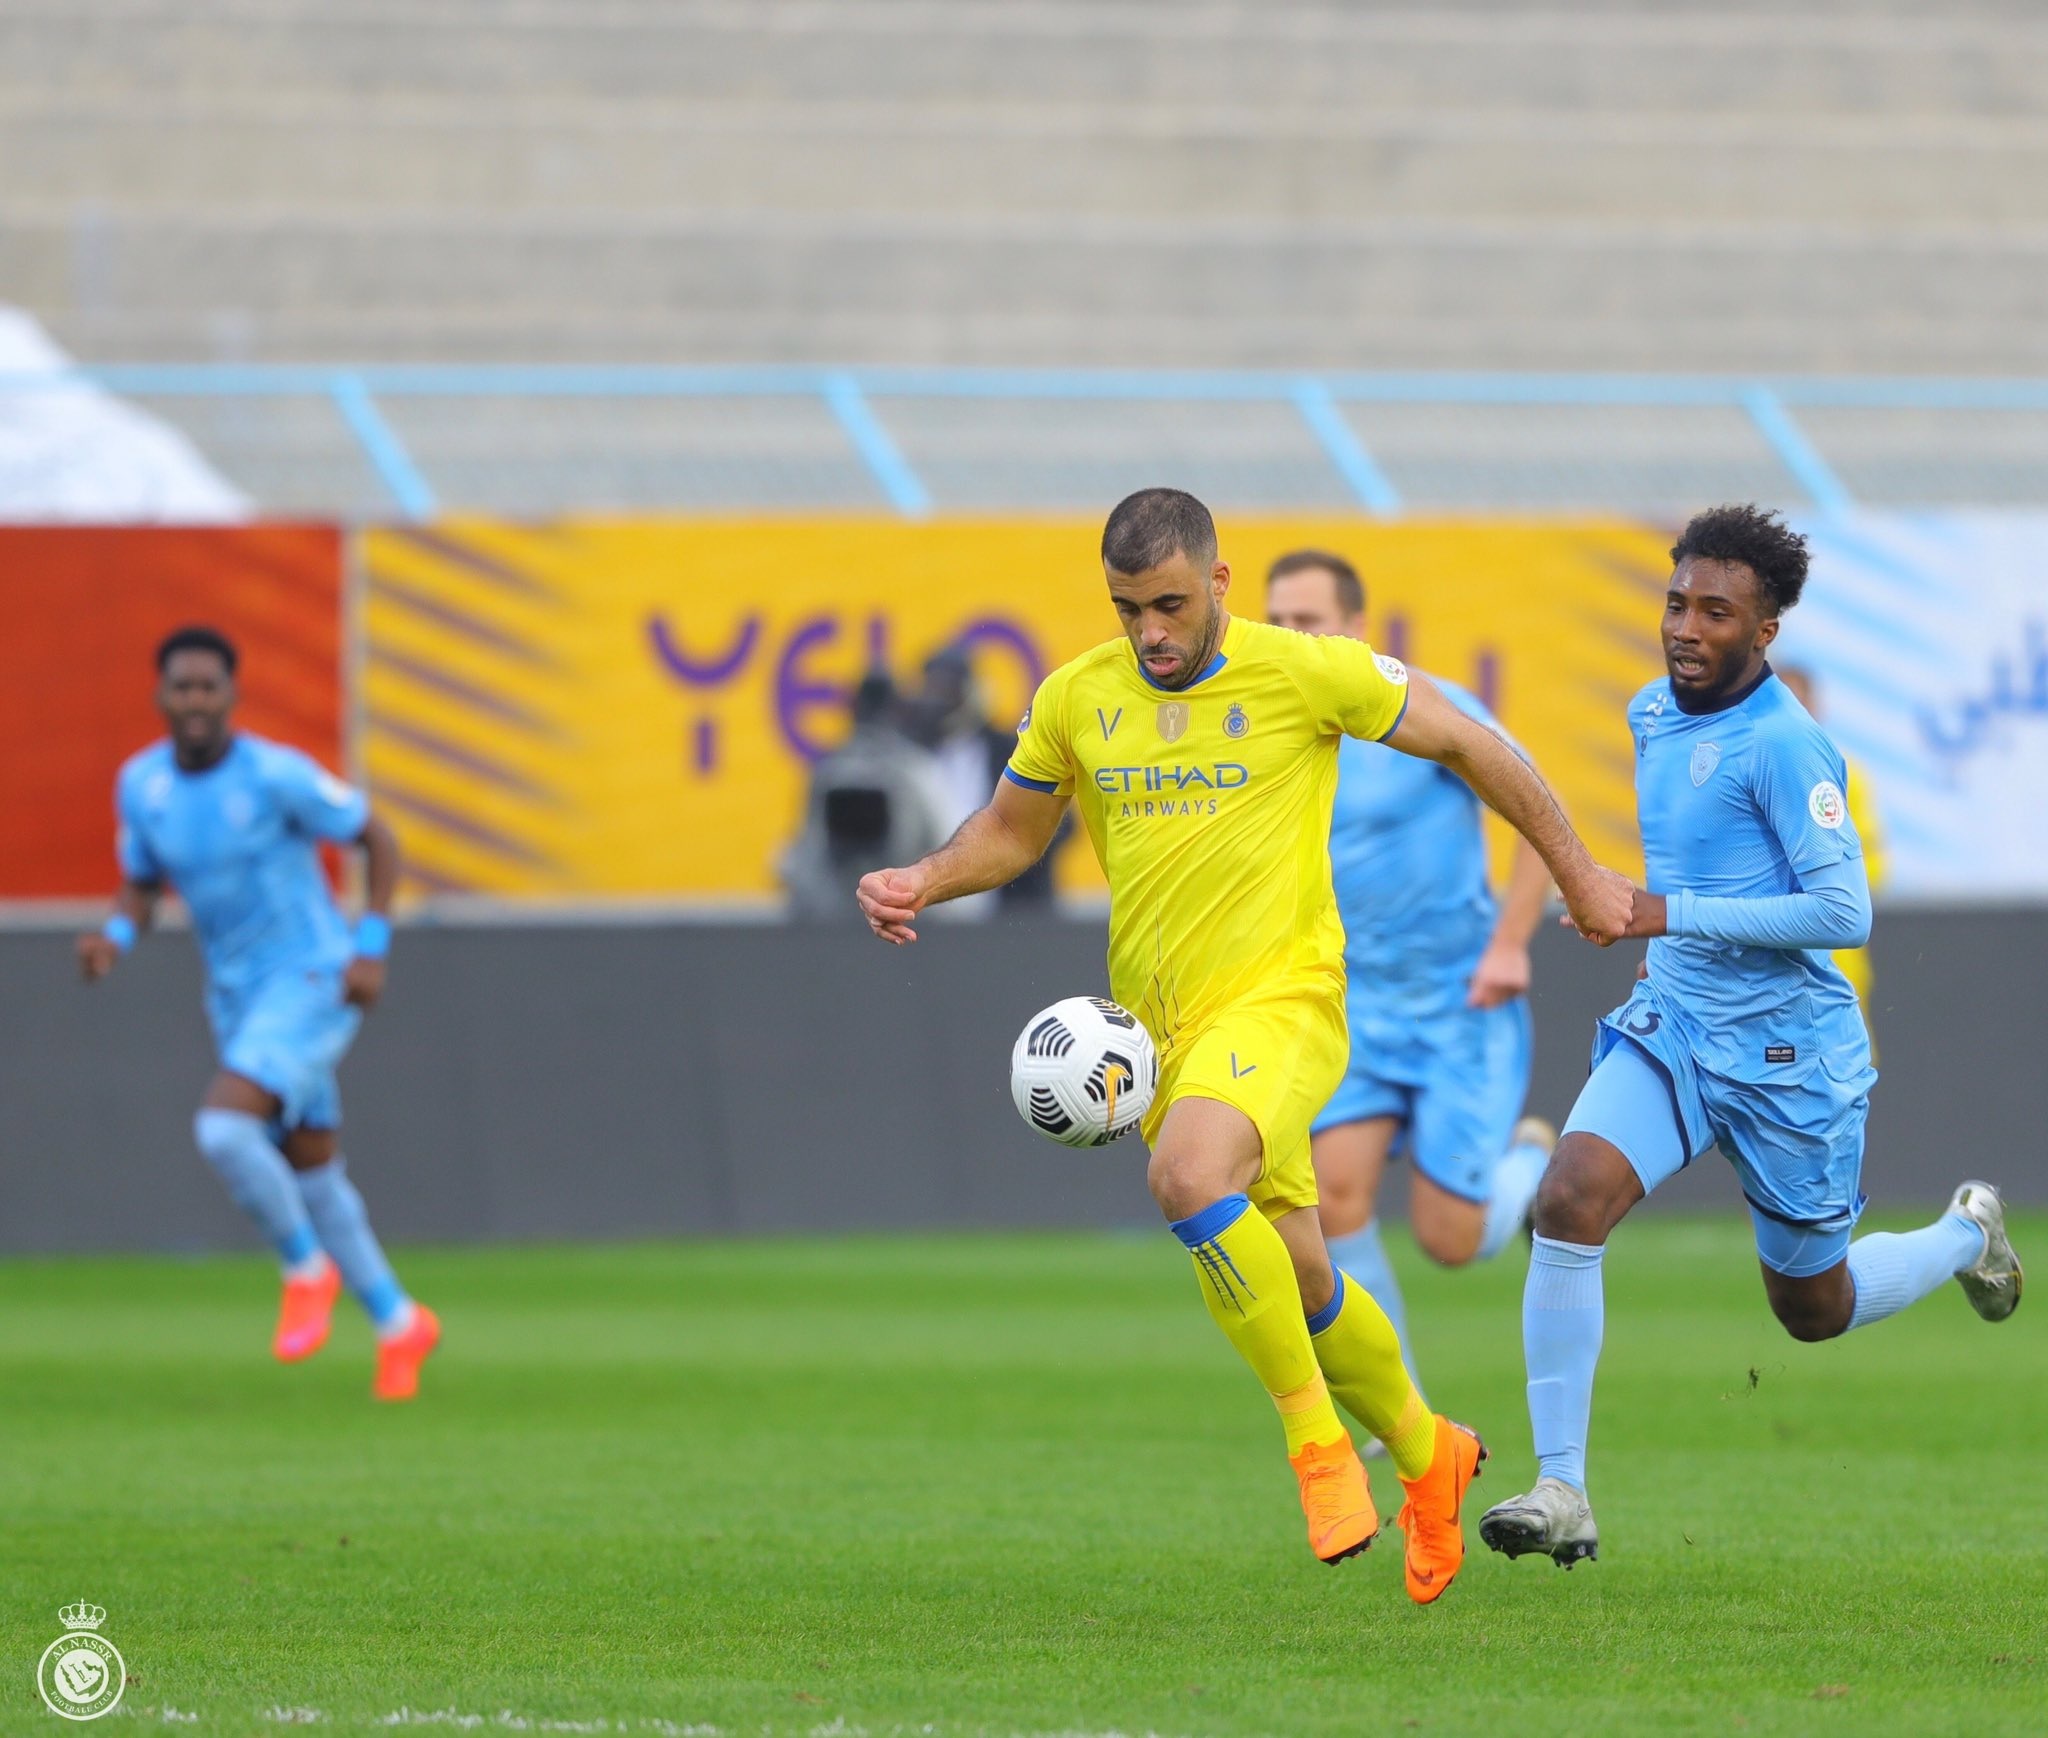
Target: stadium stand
[1040,183]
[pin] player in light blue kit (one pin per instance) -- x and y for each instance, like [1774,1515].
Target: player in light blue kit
[1742,1033]
[1439,979]
[234,823]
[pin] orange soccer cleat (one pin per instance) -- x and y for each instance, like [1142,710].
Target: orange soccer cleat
[400,1357]
[1335,1498]
[305,1314]
[1431,1515]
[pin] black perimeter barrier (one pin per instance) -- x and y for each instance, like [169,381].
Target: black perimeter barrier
[583,1081]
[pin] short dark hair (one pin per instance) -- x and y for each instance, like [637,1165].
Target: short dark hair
[1760,540]
[197,639]
[1350,588]
[1155,525]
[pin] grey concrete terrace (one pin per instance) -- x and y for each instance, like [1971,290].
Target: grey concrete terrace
[1659,185]
[1044,181]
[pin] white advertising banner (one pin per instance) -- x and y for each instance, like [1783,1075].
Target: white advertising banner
[1928,633]
[72,454]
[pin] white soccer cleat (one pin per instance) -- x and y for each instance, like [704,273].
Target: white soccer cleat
[1993,1284]
[1553,1518]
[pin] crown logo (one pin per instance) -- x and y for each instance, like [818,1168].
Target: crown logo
[83,1615]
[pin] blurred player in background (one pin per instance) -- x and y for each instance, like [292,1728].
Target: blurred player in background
[1743,1033]
[234,823]
[1438,977]
[1862,796]
[1202,750]
[950,717]
[877,798]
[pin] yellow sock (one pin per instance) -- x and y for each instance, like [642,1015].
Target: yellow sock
[1248,1284]
[1412,1441]
[1361,1358]
[1307,1415]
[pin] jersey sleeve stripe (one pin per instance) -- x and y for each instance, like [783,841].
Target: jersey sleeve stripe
[1406,693]
[1030,784]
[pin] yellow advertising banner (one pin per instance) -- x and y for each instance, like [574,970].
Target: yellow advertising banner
[616,709]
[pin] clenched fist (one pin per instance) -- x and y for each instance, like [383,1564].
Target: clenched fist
[96,956]
[1601,905]
[890,899]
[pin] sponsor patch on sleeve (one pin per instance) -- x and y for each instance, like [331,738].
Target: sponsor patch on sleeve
[1827,805]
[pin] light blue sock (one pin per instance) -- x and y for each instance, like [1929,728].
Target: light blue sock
[1563,1314]
[1514,1187]
[1892,1269]
[344,1226]
[1364,1257]
[258,1180]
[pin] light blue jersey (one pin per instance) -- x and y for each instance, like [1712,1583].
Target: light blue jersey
[1762,1047]
[240,841]
[1741,804]
[1408,857]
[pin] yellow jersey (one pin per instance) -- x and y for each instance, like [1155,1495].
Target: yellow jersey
[1209,809]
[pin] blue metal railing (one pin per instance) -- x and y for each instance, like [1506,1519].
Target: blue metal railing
[850,395]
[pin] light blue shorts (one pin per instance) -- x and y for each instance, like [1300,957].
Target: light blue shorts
[288,1034]
[1455,1084]
[1798,1149]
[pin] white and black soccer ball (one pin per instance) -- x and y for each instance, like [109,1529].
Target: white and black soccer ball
[1083,1072]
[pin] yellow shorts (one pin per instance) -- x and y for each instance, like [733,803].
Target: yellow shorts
[1278,1058]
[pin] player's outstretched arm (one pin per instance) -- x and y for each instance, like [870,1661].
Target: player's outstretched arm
[363,982]
[1599,900]
[1503,972]
[1831,909]
[134,910]
[994,845]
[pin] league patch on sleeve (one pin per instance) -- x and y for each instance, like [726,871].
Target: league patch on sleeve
[1393,669]
[1024,723]
[1827,805]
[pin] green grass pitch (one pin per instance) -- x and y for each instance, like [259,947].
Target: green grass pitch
[994,1485]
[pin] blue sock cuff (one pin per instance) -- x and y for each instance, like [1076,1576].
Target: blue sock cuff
[1963,1222]
[1213,1220]
[1553,1252]
[382,1301]
[322,1177]
[1328,1313]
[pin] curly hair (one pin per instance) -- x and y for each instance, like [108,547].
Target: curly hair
[1759,540]
[197,639]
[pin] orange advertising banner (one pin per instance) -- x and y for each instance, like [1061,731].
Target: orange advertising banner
[84,609]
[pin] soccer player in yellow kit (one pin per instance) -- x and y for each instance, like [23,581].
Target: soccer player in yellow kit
[1201,749]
